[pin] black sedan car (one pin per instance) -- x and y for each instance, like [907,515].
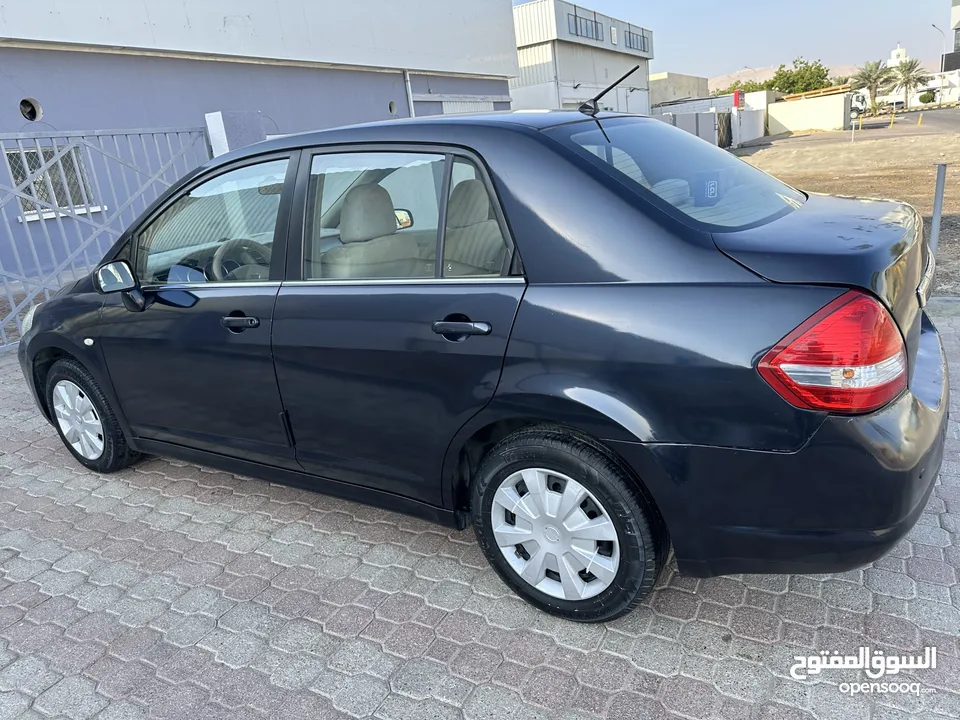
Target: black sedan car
[590,338]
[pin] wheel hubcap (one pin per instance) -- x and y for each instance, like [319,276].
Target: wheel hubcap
[555,534]
[78,419]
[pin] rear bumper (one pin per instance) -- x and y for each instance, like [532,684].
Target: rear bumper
[842,501]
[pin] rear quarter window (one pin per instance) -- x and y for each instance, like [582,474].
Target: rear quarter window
[693,180]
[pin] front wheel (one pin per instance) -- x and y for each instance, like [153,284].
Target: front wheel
[564,525]
[84,419]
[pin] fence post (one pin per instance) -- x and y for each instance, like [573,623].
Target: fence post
[937,208]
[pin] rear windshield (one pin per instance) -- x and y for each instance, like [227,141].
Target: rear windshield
[701,181]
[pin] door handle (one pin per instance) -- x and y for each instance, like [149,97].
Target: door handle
[239,323]
[446,327]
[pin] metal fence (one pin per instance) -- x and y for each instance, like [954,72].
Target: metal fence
[65,197]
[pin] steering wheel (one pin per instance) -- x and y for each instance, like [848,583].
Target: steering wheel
[248,250]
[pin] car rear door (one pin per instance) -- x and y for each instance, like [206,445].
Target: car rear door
[194,367]
[382,351]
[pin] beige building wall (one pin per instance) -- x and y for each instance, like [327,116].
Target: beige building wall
[667,87]
[824,113]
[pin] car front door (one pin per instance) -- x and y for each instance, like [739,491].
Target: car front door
[194,367]
[383,352]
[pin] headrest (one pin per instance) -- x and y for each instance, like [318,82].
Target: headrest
[469,204]
[367,213]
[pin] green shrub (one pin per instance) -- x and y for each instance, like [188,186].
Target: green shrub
[928,97]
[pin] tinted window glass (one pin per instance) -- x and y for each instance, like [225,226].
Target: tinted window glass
[701,181]
[222,230]
[372,215]
[473,243]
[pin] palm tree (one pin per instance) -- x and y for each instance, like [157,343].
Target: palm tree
[908,76]
[874,76]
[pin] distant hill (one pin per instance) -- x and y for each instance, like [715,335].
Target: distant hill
[763,74]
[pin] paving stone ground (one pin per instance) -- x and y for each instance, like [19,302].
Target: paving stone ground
[174,591]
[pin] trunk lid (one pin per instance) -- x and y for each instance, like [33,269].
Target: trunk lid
[874,245]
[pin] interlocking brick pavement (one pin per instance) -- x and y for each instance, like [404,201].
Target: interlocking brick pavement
[174,591]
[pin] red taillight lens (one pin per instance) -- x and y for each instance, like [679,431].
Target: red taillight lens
[847,358]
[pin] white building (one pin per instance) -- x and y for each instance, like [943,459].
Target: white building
[302,64]
[951,60]
[944,85]
[569,54]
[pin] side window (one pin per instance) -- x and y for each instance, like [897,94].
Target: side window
[221,231]
[473,244]
[372,215]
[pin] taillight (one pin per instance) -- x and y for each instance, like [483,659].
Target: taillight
[847,358]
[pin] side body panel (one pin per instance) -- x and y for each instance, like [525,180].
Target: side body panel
[666,363]
[184,378]
[373,394]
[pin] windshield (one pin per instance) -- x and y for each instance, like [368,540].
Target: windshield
[701,181]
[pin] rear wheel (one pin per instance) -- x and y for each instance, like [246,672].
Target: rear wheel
[84,419]
[563,524]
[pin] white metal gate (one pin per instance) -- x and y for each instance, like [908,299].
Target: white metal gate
[65,197]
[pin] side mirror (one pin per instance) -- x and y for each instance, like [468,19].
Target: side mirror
[116,276]
[404,219]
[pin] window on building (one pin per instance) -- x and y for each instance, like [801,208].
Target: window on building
[613,34]
[585,27]
[63,182]
[956,40]
[636,41]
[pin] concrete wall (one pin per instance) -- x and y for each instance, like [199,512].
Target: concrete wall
[719,103]
[85,91]
[534,22]
[462,36]
[667,87]
[570,73]
[536,65]
[152,92]
[598,68]
[760,100]
[746,125]
[824,113]
[535,97]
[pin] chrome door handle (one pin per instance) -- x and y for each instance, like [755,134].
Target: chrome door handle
[446,327]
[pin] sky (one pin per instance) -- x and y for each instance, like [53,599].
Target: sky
[713,37]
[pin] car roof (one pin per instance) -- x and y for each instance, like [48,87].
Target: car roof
[539,119]
[412,129]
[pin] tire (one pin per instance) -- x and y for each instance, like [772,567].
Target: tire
[115,454]
[611,498]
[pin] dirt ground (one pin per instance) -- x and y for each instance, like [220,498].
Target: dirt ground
[902,168]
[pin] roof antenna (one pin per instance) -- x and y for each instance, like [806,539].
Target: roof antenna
[591,107]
